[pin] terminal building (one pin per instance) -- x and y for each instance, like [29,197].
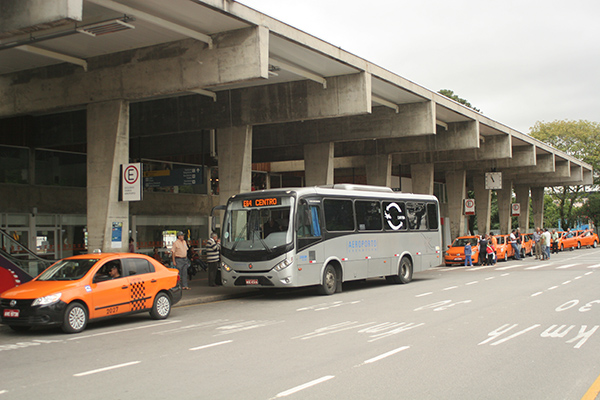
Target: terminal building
[211,98]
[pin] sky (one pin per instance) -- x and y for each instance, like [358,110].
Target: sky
[519,62]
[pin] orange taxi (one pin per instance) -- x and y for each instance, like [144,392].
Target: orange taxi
[527,245]
[456,251]
[88,287]
[568,240]
[588,238]
[504,249]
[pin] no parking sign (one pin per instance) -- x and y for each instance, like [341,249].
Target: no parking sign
[131,182]
[516,209]
[469,207]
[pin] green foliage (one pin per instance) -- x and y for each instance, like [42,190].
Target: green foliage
[451,95]
[580,139]
[590,210]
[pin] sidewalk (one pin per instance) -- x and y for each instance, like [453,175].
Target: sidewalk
[200,292]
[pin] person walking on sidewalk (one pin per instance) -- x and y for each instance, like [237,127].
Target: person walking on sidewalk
[180,260]
[213,248]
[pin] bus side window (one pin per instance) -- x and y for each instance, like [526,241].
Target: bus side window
[432,216]
[307,221]
[417,217]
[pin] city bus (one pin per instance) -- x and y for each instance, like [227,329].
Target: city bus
[326,235]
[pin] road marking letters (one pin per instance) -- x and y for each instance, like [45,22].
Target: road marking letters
[554,331]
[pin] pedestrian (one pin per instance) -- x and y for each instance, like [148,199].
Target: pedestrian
[519,242]
[554,241]
[494,242]
[538,245]
[180,260]
[547,240]
[482,250]
[156,255]
[468,255]
[490,253]
[513,243]
[213,248]
[131,245]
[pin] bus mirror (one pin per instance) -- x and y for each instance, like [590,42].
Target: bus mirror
[214,216]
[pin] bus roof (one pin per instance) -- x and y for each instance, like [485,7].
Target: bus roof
[366,191]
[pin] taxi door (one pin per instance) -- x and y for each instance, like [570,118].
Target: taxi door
[110,296]
[142,281]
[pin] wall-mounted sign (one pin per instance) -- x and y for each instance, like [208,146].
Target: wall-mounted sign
[131,182]
[469,206]
[515,209]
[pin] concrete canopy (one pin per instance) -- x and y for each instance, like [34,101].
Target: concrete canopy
[293,88]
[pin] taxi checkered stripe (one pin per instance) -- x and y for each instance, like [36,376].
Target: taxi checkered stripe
[138,295]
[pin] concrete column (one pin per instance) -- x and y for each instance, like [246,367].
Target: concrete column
[234,146]
[456,188]
[318,164]
[522,197]
[107,149]
[483,204]
[504,206]
[379,170]
[422,178]
[537,205]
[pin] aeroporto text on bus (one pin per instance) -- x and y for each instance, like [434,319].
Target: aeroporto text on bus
[326,235]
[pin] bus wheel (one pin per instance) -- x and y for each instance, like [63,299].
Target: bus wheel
[405,270]
[329,281]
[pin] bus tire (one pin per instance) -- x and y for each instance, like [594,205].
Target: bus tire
[330,281]
[405,271]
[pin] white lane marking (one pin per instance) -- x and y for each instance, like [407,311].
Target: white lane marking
[3,391]
[384,355]
[506,274]
[206,346]
[594,266]
[125,330]
[424,294]
[305,386]
[482,267]
[490,278]
[95,371]
[536,294]
[578,277]
[450,288]
[539,266]
[509,267]
[552,288]
[589,273]
[566,282]
[566,266]
[471,283]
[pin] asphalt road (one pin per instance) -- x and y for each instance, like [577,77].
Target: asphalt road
[519,330]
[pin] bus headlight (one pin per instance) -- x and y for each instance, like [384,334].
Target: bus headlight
[286,262]
[225,267]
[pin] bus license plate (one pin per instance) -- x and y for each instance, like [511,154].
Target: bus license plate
[251,281]
[11,313]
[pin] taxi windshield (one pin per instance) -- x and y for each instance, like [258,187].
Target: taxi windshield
[460,242]
[67,270]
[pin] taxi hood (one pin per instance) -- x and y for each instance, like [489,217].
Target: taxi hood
[34,289]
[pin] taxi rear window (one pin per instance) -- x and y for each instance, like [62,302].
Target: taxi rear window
[137,266]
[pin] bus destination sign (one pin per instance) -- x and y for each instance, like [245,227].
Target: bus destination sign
[262,202]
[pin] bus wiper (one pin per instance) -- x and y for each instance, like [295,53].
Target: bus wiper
[238,238]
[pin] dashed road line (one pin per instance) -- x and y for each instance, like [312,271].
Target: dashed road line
[424,294]
[95,371]
[539,266]
[566,266]
[305,386]
[206,346]
[384,355]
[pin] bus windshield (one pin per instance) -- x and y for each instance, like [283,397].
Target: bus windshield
[258,224]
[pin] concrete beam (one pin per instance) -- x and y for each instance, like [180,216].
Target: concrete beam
[182,66]
[415,119]
[235,161]
[318,164]
[22,16]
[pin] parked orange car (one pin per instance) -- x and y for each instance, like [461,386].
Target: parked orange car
[527,245]
[504,249]
[77,289]
[456,251]
[587,238]
[568,240]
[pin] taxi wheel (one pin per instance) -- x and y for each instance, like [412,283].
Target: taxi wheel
[595,244]
[578,245]
[506,256]
[75,319]
[162,306]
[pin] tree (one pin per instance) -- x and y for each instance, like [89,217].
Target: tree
[590,210]
[580,139]
[450,94]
